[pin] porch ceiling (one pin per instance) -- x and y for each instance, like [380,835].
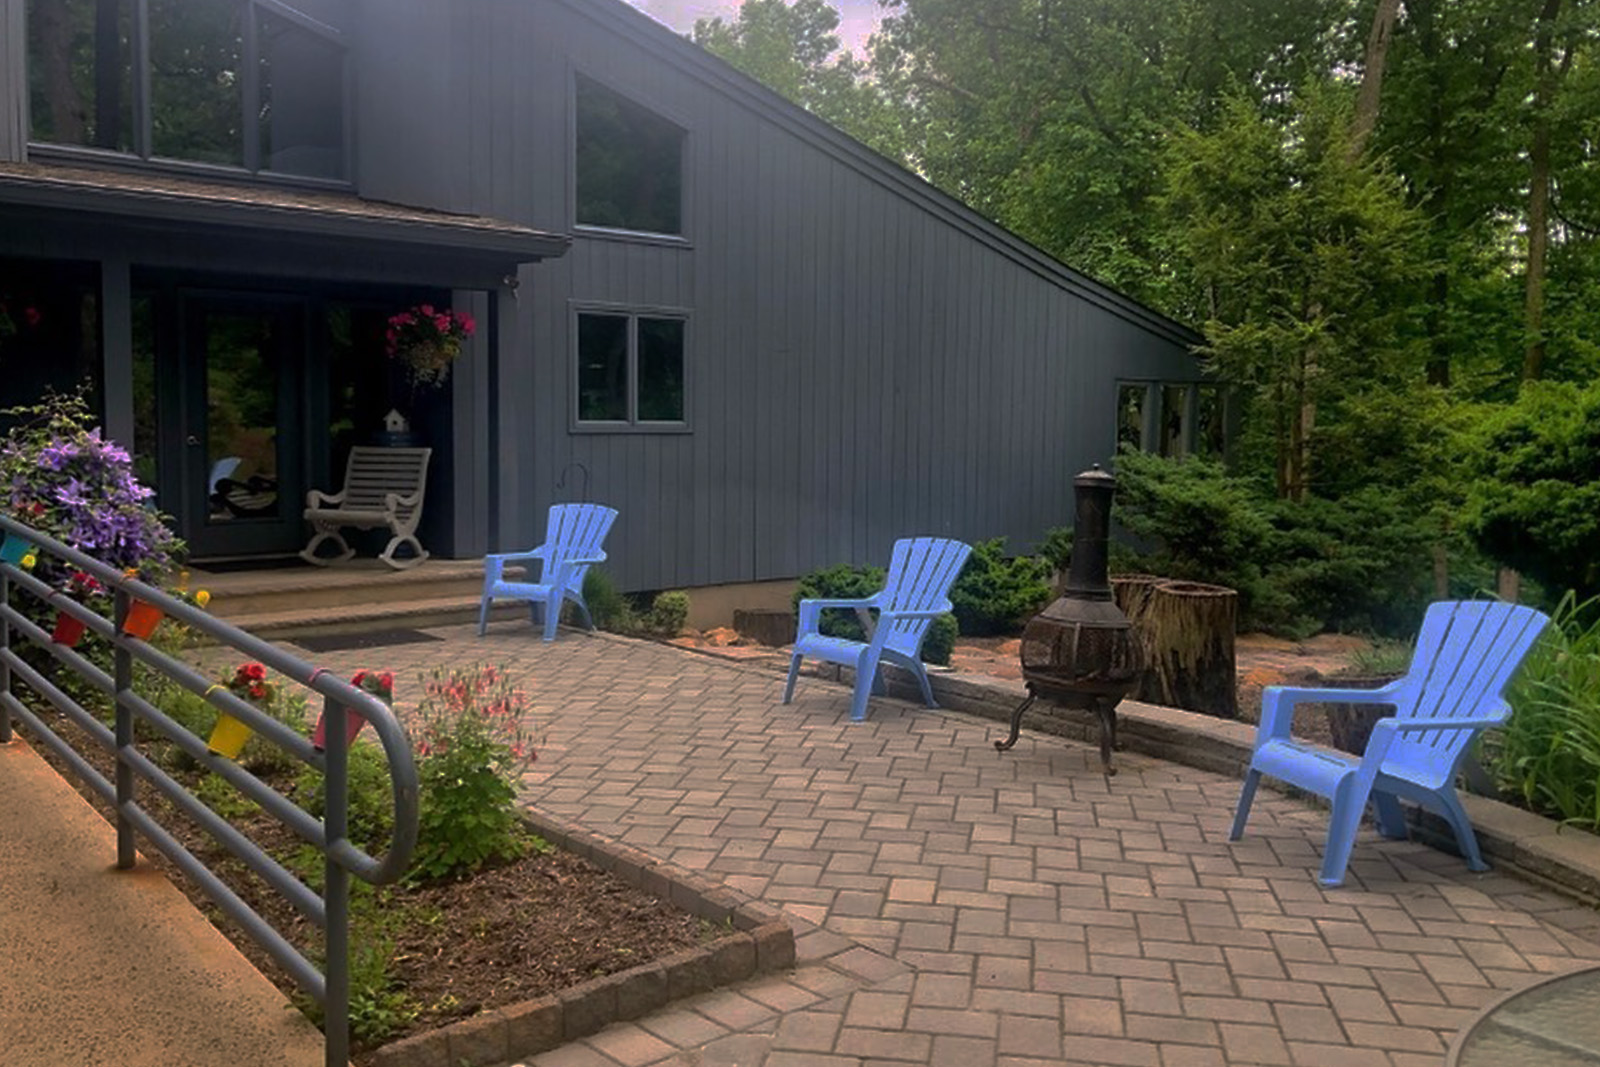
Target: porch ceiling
[200,211]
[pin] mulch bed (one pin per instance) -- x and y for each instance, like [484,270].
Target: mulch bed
[535,926]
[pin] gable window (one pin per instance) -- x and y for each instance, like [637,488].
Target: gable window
[1173,419]
[252,84]
[630,369]
[629,164]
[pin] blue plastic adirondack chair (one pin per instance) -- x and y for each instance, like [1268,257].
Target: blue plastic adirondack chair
[572,541]
[1465,655]
[913,595]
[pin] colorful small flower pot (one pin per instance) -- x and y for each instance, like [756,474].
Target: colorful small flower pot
[352,726]
[14,549]
[68,630]
[228,737]
[142,619]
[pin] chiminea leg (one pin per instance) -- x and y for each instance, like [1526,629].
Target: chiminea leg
[1108,734]
[1016,725]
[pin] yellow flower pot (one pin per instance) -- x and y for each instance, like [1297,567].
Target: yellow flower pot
[228,737]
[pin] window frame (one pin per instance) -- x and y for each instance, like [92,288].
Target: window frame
[141,157]
[685,172]
[632,424]
[1153,412]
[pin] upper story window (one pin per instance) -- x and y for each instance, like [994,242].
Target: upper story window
[629,164]
[255,84]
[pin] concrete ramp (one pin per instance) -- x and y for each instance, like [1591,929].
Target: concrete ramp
[101,966]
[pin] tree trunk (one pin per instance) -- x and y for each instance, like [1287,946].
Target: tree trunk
[1189,634]
[53,39]
[1539,193]
[1366,116]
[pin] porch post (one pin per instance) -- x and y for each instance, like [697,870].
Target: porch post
[470,489]
[116,348]
[514,409]
[13,83]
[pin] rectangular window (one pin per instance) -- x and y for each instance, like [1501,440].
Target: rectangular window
[253,84]
[1130,415]
[630,369]
[629,164]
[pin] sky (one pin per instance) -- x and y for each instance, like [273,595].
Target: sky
[857,18]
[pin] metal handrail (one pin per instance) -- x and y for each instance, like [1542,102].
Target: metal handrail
[341,858]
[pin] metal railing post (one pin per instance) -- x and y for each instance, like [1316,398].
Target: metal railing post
[5,664]
[336,891]
[123,678]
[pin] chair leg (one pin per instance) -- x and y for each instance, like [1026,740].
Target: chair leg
[922,680]
[552,615]
[419,553]
[1247,796]
[309,553]
[1466,840]
[583,609]
[864,686]
[1391,819]
[1343,822]
[794,672]
[483,615]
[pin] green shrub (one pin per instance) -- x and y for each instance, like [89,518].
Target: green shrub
[995,594]
[471,747]
[1548,754]
[668,613]
[608,608]
[1056,548]
[941,640]
[840,582]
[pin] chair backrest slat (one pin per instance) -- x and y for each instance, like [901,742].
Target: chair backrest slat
[921,572]
[1466,654]
[371,474]
[575,531]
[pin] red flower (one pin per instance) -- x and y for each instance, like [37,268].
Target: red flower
[31,316]
[253,672]
[386,682]
[258,691]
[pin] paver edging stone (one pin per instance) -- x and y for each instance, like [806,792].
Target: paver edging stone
[759,942]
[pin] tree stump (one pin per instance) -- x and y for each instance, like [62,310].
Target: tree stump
[1132,593]
[1189,632]
[1350,725]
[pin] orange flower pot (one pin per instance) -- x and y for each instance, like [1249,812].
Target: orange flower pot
[142,620]
[68,630]
[228,737]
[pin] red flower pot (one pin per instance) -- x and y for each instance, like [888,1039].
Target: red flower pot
[142,620]
[68,630]
[352,726]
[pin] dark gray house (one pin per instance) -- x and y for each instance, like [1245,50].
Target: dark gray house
[769,347]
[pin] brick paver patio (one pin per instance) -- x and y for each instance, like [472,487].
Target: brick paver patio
[961,908]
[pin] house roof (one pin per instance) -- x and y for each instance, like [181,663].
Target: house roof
[157,197]
[624,19]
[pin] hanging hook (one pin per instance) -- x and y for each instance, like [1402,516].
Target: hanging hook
[561,482]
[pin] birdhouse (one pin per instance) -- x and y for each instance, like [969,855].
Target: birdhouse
[394,422]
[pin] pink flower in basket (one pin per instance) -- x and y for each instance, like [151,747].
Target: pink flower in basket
[427,340]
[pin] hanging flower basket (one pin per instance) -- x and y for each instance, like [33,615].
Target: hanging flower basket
[249,683]
[426,340]
[379,684]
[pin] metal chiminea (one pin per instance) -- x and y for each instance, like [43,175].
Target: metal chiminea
[1079,652]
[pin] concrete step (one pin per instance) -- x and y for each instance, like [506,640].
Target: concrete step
[353,585]
[368,617]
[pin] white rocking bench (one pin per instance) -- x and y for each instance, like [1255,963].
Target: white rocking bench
[383,487]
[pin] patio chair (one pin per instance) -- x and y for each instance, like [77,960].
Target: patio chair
[383,487]
[1465,655]
[921,572]
[572,540]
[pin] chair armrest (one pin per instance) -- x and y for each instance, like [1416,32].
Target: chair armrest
[1278,701]
[494,564]
[394,501]
[316,498]
[932,613]
[811,610]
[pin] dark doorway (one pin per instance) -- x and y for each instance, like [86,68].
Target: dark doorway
[243,455]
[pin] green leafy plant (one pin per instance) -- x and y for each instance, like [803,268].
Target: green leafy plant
[995,593]
[1056,548]
[369,803]
[840,582]
[1548,753]
[471,747]
[941,640]
[668,613]
[608,608]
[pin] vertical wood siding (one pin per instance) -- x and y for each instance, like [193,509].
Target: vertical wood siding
[859,368]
